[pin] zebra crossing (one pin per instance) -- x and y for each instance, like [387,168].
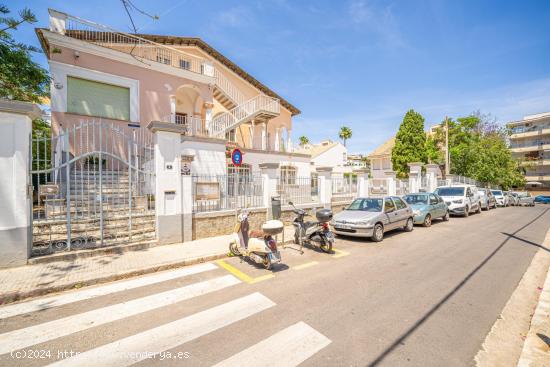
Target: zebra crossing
[291,345]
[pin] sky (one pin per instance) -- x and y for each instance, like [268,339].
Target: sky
[359,63]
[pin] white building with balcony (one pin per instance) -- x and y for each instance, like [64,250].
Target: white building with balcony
[132,80]
[530,143]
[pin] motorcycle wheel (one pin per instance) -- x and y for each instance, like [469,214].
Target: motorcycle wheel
[234,249]
[266,263]
[325,245]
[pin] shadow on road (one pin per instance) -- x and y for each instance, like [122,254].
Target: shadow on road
[526,241]
[437,306]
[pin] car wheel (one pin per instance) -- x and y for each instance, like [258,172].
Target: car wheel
[466,211]
[409,226]
[427,220]
[446,217]
[378,233]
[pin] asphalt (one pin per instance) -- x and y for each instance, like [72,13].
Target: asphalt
[425,298]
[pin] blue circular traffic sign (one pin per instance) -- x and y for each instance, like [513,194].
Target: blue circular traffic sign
[237,157]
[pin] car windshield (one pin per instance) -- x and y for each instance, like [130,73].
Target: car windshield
[481,192]
[524,195]
[367,205]
[416,199]
[496,192]
[450,191]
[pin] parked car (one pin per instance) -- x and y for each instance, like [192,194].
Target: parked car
[461,199]
[525,199]
[502,200]
[514,200]
[372,217]
[487,199]
[427,207]
[542,199]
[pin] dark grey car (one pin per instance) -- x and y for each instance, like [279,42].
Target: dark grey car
[372,217]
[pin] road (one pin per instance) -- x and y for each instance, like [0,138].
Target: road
[425,298]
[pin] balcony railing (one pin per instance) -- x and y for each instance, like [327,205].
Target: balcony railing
[140,48]
[194,126]
[230,119]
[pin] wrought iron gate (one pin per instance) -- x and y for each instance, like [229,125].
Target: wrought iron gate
[93,186]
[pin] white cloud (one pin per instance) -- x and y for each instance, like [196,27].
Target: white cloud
[235,17]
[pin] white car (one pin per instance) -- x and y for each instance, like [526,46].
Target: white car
[502,200]
[461,199]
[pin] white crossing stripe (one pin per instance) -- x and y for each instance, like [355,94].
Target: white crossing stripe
[17,339]
[288,347]
[88,293]
[135,348]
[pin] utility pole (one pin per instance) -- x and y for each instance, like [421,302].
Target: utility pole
[447,156]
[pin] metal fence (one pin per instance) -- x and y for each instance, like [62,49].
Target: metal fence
[93,185]
[222,192]
[344,188]
[299,190]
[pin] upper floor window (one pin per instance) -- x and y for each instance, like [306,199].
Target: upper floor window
[90,98]
[185,64]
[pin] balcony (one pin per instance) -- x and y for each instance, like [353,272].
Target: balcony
[537,176]
[139,48]
[528,132]
[530,146]
[539,162]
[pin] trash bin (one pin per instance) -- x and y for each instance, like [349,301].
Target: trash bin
[276,207]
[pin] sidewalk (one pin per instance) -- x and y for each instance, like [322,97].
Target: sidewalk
[536,349]
[41,278]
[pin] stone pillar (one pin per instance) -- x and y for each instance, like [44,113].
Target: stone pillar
[277,139]
[325,186]
[208,114]
[390,175]
[289,141]
[264,136]
[431,174]
[173,109]
[270,172]
[415,176]
[362,182]
[169,185]
[252,131]
[58,21]
[15,182]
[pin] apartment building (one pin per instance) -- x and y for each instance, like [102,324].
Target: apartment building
[530,143]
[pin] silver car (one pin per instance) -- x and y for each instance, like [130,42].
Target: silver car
[372,217]
[526,199]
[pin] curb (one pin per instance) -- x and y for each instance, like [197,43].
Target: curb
[17,296]
[536,348]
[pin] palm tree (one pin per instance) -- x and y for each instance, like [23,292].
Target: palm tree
[345,134]
[304,140]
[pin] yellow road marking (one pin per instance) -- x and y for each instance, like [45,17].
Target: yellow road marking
[242,276]
[339,253]
[305,265]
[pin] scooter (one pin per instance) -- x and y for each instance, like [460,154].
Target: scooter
[313,232]
[259,247]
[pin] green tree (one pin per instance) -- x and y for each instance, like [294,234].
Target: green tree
[478,149]
[345,134]
[20,77]
[410,144]
[303,140]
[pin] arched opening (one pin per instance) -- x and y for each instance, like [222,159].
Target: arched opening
[188,108]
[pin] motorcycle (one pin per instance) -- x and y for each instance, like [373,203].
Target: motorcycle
[317,232]
[259,247]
